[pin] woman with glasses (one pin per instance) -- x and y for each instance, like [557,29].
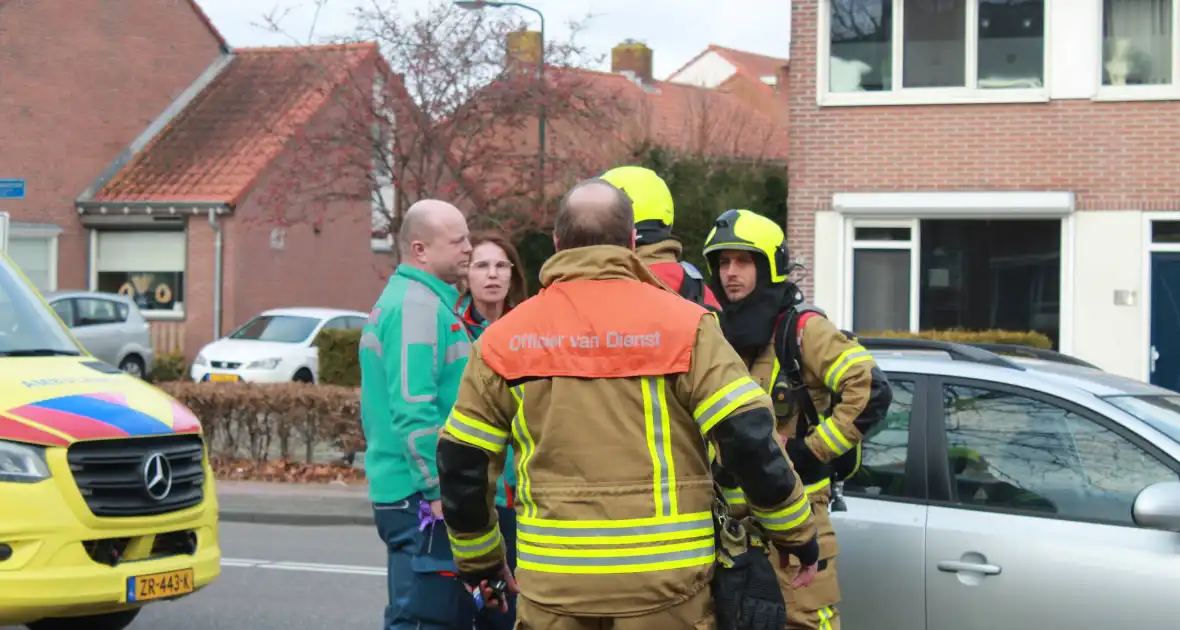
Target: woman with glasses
[495,283]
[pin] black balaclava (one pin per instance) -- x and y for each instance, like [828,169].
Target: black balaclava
[652,231]
[748,323]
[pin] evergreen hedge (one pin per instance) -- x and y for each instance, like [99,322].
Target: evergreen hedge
[339,360]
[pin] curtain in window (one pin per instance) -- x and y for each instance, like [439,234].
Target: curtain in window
[1138,42]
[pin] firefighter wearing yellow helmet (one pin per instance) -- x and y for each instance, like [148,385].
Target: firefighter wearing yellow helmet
[827,390]
[654,244]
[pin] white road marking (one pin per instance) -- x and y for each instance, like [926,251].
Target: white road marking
[312,567]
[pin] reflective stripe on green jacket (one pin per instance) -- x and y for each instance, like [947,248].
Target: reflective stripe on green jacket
[413,351]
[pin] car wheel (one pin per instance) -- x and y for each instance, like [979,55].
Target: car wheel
[109,621]
[132,365]
[303,376]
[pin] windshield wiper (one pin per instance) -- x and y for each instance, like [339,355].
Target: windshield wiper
[40,352]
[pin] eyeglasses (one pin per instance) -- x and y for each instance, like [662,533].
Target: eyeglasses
[484,266]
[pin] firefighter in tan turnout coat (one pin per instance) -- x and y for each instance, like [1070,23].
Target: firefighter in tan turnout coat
[845,392]
[609,387]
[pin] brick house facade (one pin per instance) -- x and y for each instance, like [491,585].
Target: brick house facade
[1000,166]
[80,81]
[145,140]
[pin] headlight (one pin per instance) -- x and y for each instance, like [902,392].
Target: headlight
[22,463]
[264,364]
[200,360]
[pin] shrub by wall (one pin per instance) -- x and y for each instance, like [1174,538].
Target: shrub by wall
[339,361]
[168,366]
[1032,339]
[276,432]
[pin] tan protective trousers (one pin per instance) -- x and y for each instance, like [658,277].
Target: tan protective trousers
[694,614]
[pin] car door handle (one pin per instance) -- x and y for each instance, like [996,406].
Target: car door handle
[956,566]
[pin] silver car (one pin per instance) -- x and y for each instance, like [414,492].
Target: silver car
[110,326]
[1016,493]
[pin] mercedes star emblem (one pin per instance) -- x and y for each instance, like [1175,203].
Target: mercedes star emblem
[157,476]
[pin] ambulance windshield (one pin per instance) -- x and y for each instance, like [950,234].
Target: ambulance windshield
[27,326]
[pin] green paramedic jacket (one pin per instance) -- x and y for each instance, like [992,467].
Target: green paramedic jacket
[413,351]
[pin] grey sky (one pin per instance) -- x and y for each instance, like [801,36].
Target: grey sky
[676,30]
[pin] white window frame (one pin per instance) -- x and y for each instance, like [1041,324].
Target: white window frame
[907,210]
[925,96]
[1139,92]
[913,246]
[46,233]
[151,315]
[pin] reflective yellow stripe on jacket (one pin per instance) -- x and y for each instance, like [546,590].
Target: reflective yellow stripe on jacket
[717,407]
[659,442]
[476,433]
[476,547]
[520,432]
[615,546]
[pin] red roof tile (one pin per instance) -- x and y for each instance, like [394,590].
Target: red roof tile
[753,64]
[694,119]
[219,145]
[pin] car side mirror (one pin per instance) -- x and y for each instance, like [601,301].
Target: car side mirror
[1158,506]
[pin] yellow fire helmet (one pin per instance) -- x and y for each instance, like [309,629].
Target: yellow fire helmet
[650,197]
[752,232]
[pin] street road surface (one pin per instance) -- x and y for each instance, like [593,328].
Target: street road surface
[278,577]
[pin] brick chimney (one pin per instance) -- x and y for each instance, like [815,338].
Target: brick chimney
[524,49]
[782,77]
[633,57]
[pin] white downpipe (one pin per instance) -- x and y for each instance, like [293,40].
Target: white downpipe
[216,273]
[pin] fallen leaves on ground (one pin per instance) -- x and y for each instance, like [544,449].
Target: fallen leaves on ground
[284,471]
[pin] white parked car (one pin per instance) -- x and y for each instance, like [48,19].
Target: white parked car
[277,346]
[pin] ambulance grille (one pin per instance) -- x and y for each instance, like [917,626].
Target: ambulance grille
[112,474]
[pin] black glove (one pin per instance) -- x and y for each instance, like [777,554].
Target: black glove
[807,553]
[806,463]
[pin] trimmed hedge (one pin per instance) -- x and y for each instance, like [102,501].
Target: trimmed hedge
[1031,339]
[339,360]
[168,366]
[262,422]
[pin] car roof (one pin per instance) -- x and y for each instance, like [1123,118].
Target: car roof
[1050,376]
[58,295]
[313,311]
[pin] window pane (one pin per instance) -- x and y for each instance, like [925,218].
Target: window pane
[935,43]
[151,291]
[883,454]
[980,275]
[1137,42]
[90,312]
[1011,43]
[32,256]
[1010,451]
[1165,231]
[861,46]
[880,290]
[882,234]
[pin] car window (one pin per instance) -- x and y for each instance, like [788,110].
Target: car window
[93,312]
[279,328]
[1161,412]
[336,323]
[883,450]
[356,323]
[65,310]
[1011,451]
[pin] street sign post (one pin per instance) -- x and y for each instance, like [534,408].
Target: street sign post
[12,189]
[3,231]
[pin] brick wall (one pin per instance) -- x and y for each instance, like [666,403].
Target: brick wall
[1114,156]
[325,257]
[79,81]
